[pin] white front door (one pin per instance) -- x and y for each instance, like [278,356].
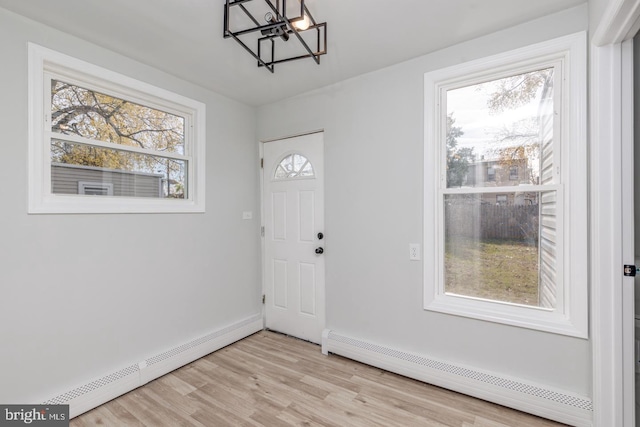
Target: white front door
[293,199]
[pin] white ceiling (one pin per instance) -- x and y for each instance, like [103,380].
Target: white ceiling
[184,37]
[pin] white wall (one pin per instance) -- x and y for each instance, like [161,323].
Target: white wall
[373,157]
[85,295]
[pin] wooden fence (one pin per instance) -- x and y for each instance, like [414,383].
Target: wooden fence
[489,221]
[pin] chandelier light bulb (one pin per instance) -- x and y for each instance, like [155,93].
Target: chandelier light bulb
[302,24]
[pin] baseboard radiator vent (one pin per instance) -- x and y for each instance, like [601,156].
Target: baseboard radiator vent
[537,399]
[88,396]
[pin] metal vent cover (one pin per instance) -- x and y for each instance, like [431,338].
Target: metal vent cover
[65,398]
[94,385]
[505,383]
[199,341]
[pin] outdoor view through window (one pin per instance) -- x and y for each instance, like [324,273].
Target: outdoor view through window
[499,202]
[111,146]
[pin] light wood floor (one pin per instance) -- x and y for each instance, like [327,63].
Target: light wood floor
[270,380]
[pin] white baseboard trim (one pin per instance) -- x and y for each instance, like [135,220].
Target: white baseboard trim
[88,396]
[537,399]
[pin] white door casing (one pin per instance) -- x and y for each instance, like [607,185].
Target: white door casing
[293,207]
[612,214]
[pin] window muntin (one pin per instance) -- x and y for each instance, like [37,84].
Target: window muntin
[146,141]
[294,166]
[557,186]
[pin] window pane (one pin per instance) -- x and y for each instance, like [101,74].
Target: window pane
[492,246]
[513,173]
[498,127]
[129,174]
[93,115]
[294,166]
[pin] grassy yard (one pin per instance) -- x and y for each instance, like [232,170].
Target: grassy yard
[492,269]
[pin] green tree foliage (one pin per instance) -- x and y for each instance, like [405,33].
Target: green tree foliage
[458,158]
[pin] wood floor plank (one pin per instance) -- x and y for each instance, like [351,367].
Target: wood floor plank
[170,398]
[178,384]
[191,375]
[419,404]
[214,412]
[272,380]
[124,417]
[99,417]
[150,412]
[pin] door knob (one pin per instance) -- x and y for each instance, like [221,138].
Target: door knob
[319,250]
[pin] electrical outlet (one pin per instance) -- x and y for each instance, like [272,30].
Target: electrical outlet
[414,251]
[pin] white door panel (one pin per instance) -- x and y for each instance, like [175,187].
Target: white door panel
[293,177]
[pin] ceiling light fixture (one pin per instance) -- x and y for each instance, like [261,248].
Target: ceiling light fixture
[276,29]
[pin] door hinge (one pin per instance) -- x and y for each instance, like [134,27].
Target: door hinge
[263,298]
[262,231]
[262,163]
[630,270]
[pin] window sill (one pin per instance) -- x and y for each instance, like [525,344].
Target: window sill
[517,315]
[82,204]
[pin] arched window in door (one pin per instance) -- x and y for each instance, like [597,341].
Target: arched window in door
[294,166]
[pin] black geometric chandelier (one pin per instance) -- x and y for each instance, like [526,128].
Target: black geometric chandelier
[280,34]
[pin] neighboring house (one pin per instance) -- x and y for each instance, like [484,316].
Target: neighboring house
[496,173]
[90,180]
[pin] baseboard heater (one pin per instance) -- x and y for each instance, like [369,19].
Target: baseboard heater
[537,399]
[88,396]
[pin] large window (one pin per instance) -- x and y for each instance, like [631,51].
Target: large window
[505,205]
[102,142]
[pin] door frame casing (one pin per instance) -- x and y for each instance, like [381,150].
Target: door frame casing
[628,237]
[613,400]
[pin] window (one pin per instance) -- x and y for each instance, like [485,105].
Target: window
[294,166]
[99,133]
[491,173]
[513,173]
[509,248]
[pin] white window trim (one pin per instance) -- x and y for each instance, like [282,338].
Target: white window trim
[42,201]
[570,317]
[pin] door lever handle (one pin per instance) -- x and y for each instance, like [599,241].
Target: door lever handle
[319,250]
